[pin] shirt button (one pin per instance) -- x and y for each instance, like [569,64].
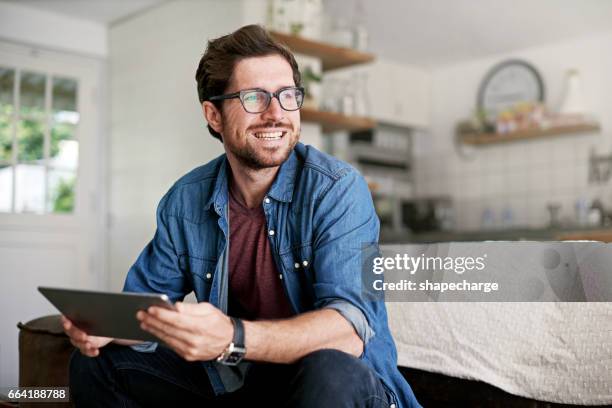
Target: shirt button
[271,232]
[267,200]
[208,276]
[296,265]
[280,276]
[305,263]
[392,406]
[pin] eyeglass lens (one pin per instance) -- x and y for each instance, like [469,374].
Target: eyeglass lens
[258,101]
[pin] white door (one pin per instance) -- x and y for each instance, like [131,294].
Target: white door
[51,185]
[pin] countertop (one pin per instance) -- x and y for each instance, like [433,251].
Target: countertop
[510,234]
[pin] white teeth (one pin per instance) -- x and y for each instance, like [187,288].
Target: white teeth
[269,135]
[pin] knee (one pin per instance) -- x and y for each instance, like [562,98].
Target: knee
[326,357]
[331,362]
[82,371]
[78,366]
[337,372]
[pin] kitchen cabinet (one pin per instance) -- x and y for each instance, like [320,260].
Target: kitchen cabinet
[399,94]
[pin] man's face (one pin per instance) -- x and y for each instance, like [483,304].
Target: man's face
[260,140]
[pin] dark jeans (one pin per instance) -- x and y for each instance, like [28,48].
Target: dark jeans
[122,377]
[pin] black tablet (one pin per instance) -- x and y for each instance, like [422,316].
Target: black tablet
[106,314]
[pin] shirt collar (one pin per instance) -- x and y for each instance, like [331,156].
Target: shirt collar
[281,189]
[219,197]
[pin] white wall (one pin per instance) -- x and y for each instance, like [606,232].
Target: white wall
[51,30]
[54,250]
[522,176]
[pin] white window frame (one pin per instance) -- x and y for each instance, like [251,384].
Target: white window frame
[16,117]
[91,185]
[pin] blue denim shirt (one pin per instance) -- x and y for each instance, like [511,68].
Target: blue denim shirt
[318,211]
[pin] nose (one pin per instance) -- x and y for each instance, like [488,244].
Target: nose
[274,112]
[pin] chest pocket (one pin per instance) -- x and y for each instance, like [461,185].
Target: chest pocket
[201,272]
[298,265]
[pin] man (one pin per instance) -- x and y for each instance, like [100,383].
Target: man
[268,236]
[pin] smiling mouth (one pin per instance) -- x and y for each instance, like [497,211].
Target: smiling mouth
[276,135]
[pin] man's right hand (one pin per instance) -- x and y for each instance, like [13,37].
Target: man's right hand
[89,345]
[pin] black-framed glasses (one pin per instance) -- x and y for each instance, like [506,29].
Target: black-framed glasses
[258,100]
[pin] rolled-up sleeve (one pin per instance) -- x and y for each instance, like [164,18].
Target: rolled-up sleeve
[344,221]
[354,316]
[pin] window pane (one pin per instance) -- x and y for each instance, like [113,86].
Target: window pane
[30,188]
[61,191]
[30,140]
[65,155]
[64,95]
[7,79]
[32,93]
[6,139]
[6,188]
[60,133]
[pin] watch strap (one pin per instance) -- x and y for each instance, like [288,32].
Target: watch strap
[238,338]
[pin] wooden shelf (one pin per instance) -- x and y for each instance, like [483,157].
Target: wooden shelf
[333,122]
[332,57]
[490,138]
[604,235]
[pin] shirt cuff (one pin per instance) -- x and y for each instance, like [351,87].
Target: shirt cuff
[146,347]
[354,316]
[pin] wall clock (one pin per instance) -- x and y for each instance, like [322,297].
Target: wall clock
[507,84]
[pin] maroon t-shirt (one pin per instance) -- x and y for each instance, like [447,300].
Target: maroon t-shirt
[255,288]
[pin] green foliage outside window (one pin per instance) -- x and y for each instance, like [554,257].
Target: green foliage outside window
[6,137]
[63,200]
[31,149]
[31,139]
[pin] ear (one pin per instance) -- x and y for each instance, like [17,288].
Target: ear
[213,116]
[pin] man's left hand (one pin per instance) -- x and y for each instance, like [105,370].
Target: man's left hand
[195,331]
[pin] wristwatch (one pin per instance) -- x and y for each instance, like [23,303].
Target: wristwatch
[235,351]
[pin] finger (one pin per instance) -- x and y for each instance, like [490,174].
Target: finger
[91,350]
[73,331]
[77,334]
[202,308]
[168,330]
[178,345]
[66,324]
[170,319]
[85,349]
[77,344]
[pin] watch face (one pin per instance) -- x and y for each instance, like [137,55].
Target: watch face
[232,355]
[508,84]
[234,358]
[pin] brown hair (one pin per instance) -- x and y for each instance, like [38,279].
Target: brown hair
[217,64]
